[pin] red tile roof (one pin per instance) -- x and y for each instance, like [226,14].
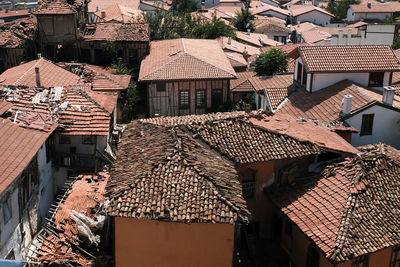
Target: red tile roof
[55,7]
[50,74]
[242,84]
[4,106]
[117,12]
[256,39]
[14,34]
[261,8]
[376,7]
[18,146]
[297,10]
[353,58]
[110,82]
[76,111]
[270,25]
[185,59]
[102,4]
[165,174]
[315,35]
[14,13]
[349,209]
[119,32]
[236,46]
[85,196]
[325,104]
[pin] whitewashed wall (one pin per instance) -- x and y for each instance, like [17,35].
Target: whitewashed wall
[46,187]
[271,13]
[356,16]
[386,128]
[315,17]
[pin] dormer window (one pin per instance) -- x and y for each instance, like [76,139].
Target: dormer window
[376,79]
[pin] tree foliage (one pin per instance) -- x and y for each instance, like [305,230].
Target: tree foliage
[271,62]
[185,5]
[109,53]
[339,8]
[127,100]
[173,24]
[244,20]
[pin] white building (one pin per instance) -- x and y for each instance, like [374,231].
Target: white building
[310,13]
[369,34]
[267,10]
[372,11]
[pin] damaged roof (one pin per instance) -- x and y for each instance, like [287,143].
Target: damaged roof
[19,143]
[350,208]
[55,7]
[61,240]
[72,108]
[50,74]
[164,174]
[185,59]
[119,32]
[14,34]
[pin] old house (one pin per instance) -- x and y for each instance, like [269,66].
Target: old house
[186,76]
[373,11]
[10,15]
[173,201]
[310,13]
[17,42]
[58,23]
[131,42]
[255,39]
[345,214]
[368,65]
[274,28]
[24,160]
[266,10]
[263,148]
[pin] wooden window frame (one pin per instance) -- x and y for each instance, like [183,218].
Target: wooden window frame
[184,105]
[367,124]
[377,81]
[203,103]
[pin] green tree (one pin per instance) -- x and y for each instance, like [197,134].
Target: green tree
[211,29]
[339,8]
[271,62]
[396,44]
[127,100]
[185,5]
[109,53]
[244,20]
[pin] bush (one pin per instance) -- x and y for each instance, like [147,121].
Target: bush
[271,62]
[244,20]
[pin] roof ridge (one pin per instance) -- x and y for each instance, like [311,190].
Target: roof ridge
[26,72]
[85,94]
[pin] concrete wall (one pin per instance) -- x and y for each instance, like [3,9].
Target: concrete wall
[46,186]
[386,128]
[76,141]
[158,243]
[380,34]
[315,17]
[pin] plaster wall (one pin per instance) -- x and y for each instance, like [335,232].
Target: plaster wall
[315,17]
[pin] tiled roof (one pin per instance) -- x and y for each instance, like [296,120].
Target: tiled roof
[236,46]
[118,12]
[376,7]
[256,39]
[396,75]
[325,104]
[50,74]
[14,13]
[291,50]
[164,174]
[185,59]
[110,82]
[14,34]
[343,58]
[236,59]
[315,35]
[55,7]
[225,11]
[4,106]
[18,146]
[297,10]
[76,112]
[261,8]
[350,209]
[95,5]
[119,32]
[63,245]
[242,84]
[271,25]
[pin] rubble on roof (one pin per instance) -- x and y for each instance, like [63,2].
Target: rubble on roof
[351,207]
[14,34]
[117,32]
[55,7]
[164,174]
[76,225]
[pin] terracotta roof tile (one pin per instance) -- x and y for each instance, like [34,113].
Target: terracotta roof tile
[103,4]
[50,74]
[184,59]
[315,35]
[242,84]
[376,7]
[271,25]
[174,178]
[350,208]
[4,106]
[256,39]
[297,10]
[261,8]
[55,7]
[119,32]
[18,146]
[236,46]
[354,58]
[14,13]
[16,33]
[236,59]
[118,12]
[110,82]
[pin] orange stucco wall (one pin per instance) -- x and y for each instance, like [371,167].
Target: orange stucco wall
[163,244]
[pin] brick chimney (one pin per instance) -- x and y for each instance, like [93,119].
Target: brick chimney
[37,77]
[388,95]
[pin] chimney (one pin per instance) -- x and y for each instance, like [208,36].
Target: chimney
[37,77]
[340,41]
[247,108]
[369,5]
[229,41]
[6,10]
[248,31]
[349,36]
[245,54]
[103,14]
[346,103]
[388,95]
[362,41]
[39,55]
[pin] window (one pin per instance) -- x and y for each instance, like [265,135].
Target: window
[299,72]
[284,39]
[184,99]
[89,139]
[395,258]
[376,79]
[200,98]
[216,98]
[276,38]
[361,261]
[7,209]
[64,139]
[248,183]
[367,124]
[161,87]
